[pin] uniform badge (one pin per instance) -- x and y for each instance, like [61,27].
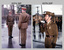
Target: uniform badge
[49,27]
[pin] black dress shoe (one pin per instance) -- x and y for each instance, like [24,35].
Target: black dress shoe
[10,37]
[22,44]
[23,47]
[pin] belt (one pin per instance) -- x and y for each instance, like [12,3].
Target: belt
[9,21]
[49,36]
[23,22]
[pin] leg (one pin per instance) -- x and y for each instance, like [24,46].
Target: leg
[34,28]
[23,37]
[48,43]
[10,31]
[53,45]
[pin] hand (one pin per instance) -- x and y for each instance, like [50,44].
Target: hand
[7,25]
[19,28]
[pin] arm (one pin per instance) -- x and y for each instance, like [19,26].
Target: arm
[28,18]
[19,23]
[42,28]
[7,21]
[13,20]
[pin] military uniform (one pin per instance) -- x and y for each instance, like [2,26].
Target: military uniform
[10,22]
[51,31]
[23,25]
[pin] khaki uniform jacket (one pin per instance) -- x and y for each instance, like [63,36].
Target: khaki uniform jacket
[51,30]
[9,20]
[24,17]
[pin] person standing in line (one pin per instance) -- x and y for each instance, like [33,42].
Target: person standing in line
[23,25]
[10,23]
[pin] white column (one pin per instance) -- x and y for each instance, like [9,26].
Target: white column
[44,36]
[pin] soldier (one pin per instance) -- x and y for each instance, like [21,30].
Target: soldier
[51,30]
[9,23]
[34,24]
[23,25]
[39,26]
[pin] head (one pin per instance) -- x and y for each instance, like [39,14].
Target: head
[23,9]
[10,12]
[48,16]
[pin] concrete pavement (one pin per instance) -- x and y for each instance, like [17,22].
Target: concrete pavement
[14,42]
